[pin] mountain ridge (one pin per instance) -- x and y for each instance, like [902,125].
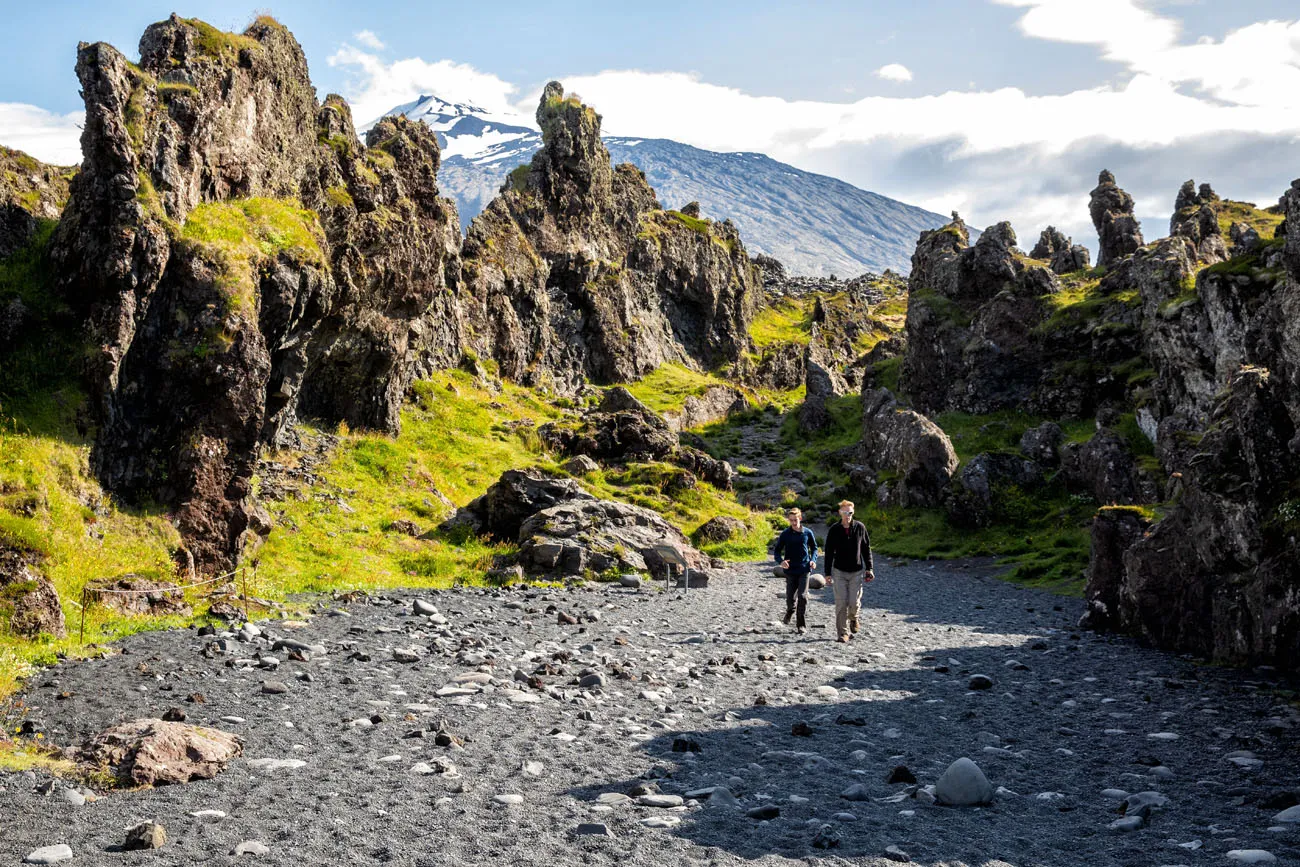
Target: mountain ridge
[816,224]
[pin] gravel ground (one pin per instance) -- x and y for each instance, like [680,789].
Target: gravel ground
[1068,716]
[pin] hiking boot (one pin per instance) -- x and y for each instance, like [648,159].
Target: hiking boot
[801,630]
[843,639]
[789,612]
[853,627]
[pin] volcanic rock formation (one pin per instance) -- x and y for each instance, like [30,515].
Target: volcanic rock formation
[1118,232]
[240,258]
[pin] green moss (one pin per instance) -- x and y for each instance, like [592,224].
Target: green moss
[518,178]
[1146,512]
[789,320]
[1128,428]
[239,234]
[889,373]
[340,144]
[1081,303]
[339,197]
[1000,431]
[695,224]
[943,308]
[1264,221]
[168,89]
[219,45]
[1249,265]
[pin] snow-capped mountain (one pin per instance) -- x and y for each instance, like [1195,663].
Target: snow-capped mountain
[817,225]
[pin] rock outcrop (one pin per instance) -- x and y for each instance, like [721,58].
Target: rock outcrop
[986,331]
[822,382]
[973,498]
[513,498]
[575,272]
[971,319]
[1197,222]
[1061,253]
[234,248]
[30,191]
[151,752]
[1218,575]
[622,429]
[1106,469]
[1118,231]
[29,603]
[911,456]
[564,531]
[718,403]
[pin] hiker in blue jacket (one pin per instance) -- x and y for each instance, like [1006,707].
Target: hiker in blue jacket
[796,552]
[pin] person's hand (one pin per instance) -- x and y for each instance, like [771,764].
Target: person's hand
[869,577]
[785,564]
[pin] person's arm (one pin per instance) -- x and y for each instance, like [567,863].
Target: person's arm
[829,560]
[866,553]
[780,547]
[812,549]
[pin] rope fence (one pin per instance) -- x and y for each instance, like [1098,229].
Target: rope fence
[89,594]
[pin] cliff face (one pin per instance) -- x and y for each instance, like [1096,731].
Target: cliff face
[233,248]
[574,271]
[1220,574]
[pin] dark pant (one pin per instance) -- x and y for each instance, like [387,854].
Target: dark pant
[796,594]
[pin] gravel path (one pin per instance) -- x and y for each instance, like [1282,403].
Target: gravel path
[1067,717]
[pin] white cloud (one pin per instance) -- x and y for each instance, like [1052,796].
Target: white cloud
[380,86]
[993,154]
[894,72]
[369,40]
[1257,65]
[51,138]
[1146,112]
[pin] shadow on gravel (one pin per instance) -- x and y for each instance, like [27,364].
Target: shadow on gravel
[1022,732]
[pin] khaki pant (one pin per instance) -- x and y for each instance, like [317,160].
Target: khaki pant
[848,598]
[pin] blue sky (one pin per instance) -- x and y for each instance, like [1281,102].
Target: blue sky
[1000,108]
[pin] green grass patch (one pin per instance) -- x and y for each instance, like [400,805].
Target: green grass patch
[695,224]
[1001,431]
[218,44]
[457,438]
[51,504]
[1049,549]
[668,386]
[339,197]
[789,320]
[240,234]
[1264,221]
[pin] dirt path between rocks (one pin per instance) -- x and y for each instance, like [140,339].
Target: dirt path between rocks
[1068,716]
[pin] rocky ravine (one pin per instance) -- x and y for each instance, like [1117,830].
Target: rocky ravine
[490,732]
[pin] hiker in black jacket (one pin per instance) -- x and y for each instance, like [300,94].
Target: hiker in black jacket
[796,552]
[848,567]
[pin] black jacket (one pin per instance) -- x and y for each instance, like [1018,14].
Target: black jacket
[848,550]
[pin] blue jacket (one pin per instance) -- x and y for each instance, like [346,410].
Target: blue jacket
[799,547]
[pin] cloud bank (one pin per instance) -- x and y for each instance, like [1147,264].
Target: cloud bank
[1223,110]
